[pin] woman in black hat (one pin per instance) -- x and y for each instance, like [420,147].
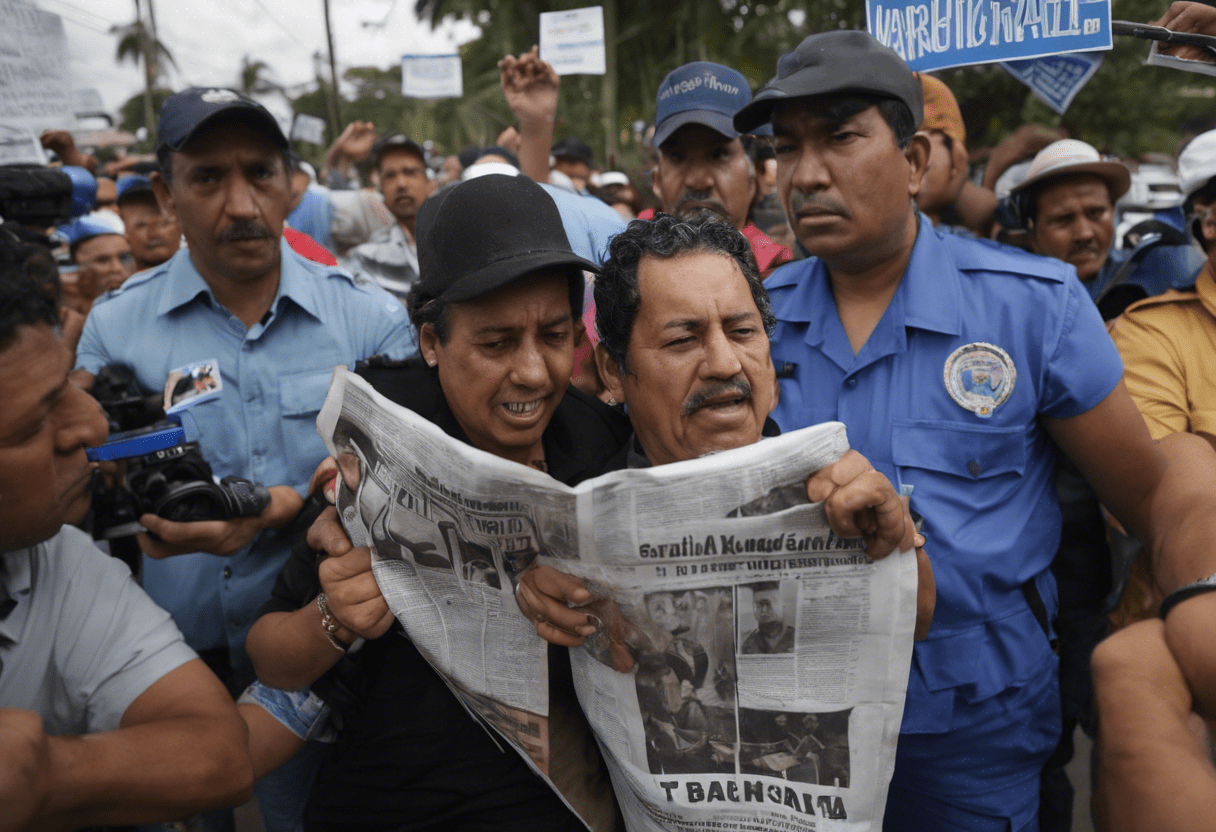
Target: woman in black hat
[498,311]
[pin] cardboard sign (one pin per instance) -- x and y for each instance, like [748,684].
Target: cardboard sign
[308,129]
[431,76]
[936,34]
[1057,79]
[572,42]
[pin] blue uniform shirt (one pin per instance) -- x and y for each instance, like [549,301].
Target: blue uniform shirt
[983,484]
[275,376]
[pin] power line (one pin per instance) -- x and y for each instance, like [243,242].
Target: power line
[79,10]
[279,23]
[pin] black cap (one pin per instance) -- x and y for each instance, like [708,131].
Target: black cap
[572,148]
[487,232]
[185,112]
[839,61]
[397,141]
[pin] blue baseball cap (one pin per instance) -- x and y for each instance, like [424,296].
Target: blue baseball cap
[700,93]
[185,112]
[130,187]
[87,227]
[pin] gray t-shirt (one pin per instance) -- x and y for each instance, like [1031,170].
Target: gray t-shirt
[83,640]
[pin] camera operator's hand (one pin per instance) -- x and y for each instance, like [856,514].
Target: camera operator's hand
[64,146]
[24,754]
[218,537]
[346,576]
[1192,18]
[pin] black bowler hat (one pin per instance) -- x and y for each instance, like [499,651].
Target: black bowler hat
[487,232]
[185,112]
[839,61]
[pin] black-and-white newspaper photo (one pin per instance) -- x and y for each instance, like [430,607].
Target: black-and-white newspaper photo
[749,667]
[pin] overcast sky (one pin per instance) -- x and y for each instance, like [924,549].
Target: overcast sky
[208,38]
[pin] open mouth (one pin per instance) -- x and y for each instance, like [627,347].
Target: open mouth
[522,408]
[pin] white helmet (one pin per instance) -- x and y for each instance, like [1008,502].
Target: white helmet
[1197,164]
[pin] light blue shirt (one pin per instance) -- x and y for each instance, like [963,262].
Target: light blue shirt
[590,223]
[314,216]
[984,484]
[275,376]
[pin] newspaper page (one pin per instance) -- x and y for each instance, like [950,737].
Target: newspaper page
[749,668]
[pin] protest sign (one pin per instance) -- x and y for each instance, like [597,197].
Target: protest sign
[34,88]
[572,42]
[936,34]
[19,146]
[308,129]
[431,76]
[1055,80]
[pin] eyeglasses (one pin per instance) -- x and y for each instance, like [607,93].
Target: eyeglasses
[1205,216]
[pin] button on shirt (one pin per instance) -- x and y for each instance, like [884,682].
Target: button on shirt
[983,484]
[83,641]
[275,376]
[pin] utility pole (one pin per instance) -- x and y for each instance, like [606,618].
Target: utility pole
[147,49]
[335,114]
[608,87]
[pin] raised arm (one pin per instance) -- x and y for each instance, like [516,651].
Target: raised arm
[531,88]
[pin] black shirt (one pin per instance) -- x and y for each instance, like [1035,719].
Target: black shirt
[409,756]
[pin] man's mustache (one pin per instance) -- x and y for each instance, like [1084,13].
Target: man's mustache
[692,201]
[244,230]
[802,201]
[1083,248]
[714,389]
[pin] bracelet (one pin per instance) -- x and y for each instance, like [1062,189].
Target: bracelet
[330,625]
[1181,594]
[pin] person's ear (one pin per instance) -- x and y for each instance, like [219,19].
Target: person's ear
[164,195]
[917,154]
[428,344]
[610,373]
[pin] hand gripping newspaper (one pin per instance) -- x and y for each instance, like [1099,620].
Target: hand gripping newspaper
[749,668]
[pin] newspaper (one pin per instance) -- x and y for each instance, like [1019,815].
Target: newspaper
[750,667]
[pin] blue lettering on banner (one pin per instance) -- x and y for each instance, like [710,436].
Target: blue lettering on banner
[1057,79]
[936,34]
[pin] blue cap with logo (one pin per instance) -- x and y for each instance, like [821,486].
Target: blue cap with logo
[185,112]
[700,93]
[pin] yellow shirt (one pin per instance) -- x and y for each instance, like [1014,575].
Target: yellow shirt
[1168,344]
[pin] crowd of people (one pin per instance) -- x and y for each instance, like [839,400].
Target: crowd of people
[1021,343]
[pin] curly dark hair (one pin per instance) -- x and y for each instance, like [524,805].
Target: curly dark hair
[27,292]
[617,299]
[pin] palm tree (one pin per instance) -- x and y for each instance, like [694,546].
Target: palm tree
[254,80]
[138,43]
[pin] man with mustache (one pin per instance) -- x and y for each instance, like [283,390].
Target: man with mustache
[275,324]
[1067,202]
[703,163]
[883,329]
[390,257]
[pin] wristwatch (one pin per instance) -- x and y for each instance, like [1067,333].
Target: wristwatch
[330,624]
[1181,594]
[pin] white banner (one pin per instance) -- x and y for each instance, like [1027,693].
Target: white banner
[308,129]
[34,88]
[572,42]
[431,76]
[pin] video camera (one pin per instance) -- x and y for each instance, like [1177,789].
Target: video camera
[165,475]
[39,197]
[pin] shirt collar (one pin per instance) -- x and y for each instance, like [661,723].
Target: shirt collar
[185,284]
[15,584]
[930,285]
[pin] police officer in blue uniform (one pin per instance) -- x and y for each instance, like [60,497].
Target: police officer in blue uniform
[886,329]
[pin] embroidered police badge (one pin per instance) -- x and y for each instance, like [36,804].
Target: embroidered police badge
[979,377]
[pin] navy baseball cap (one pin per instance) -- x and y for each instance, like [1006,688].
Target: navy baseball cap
[397,141]
[132,187]
[185,112]
[838,61]
[700,93]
